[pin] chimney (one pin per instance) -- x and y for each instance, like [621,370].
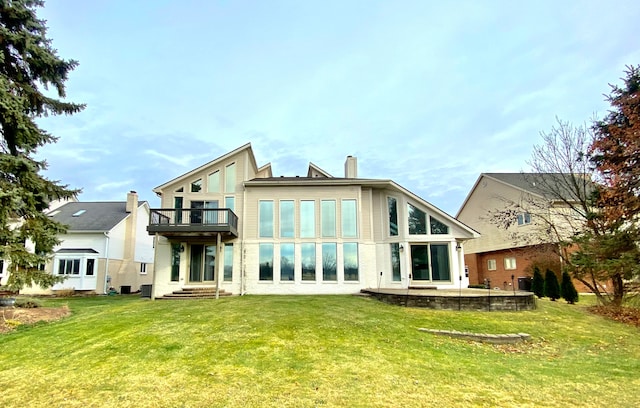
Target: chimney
[132,201]
[351,167]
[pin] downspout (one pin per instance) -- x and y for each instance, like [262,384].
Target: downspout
[244,217]
[106,255]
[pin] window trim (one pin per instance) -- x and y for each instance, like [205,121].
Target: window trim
[491,262]
[508,267]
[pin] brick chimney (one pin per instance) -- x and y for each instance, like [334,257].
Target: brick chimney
[351,167]
[132,201]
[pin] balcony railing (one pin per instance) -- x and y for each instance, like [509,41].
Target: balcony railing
[192,221]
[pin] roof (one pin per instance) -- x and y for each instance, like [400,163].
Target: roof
[98,216]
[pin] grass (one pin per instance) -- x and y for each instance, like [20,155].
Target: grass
[305,351]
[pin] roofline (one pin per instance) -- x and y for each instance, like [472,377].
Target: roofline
[318,169]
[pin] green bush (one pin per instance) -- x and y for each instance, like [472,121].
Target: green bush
[537,285]
[551,286]
[476,286]
[28,303]
[567,289]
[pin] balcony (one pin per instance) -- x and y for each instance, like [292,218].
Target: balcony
[193,222]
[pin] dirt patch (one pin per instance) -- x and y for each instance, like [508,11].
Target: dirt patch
[626,315]
[12,317]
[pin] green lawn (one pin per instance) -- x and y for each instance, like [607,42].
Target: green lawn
[305,351]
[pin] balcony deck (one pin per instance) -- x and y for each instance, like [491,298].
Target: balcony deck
[193,222]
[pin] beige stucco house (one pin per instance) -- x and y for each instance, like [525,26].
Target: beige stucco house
[231,225]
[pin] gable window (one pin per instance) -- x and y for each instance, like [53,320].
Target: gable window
[350,255]
[328,218]
[510,263]
[228,262]
[180,190]
[491,264]
[393,216]
[266,219]
[266,262]
[417,221]
[196,186]
[213,182]
[230,178]
[286,262]
[524,218]
[438,227]
[349,221]
[329,262]
[287,215]
[307,219]
[308,255]
[143,268]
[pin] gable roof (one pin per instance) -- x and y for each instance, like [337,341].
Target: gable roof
[97,217]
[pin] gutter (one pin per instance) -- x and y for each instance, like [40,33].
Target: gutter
[106,255]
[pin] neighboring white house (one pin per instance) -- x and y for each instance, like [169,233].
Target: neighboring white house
[231,225]
[106,245]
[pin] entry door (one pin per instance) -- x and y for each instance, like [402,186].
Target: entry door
[203,262]
[420,263]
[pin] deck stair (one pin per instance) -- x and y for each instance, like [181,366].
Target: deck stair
[195,293]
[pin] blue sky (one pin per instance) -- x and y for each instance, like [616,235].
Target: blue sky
[428,94]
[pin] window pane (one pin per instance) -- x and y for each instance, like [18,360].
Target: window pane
[76,267]
[329,262]
[230,203]
[175,262]
[266,219]
[230,178]
[438,227]
[266,262]
[228,262]
[393,216]
[417,221]
[287,216]
[395,262]
[195,271]
[213,182]
[209,262]
[61,267]
[349,219]
[196,186]
[307,219]
[90,267]
[420,262]
[286,262]
[350,253]
[177,204]
[440,270]
[328,218]
[308,252]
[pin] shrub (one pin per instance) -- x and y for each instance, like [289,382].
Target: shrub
[567,289]
[551,287]
[476,286]
[28,303]
[537,285]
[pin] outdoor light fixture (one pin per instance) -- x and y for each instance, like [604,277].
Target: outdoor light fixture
[458,246]
[401,248]
[181,248]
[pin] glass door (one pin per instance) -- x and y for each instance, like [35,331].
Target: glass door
[420,263]
[203,262]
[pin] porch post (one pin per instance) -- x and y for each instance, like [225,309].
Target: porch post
[218,269]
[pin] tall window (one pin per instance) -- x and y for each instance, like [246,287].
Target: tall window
[417,221]
[196,186]
[328,218]
[266,262]
[308,255]
[228,262]
[308,219]
[266,219]
[213,182]
[230,202]
[395,262]
[393,216]
[438,227]
[287,262]
[329,262]
[90,270]
[349,219]
[175,262]
[350,254]
[177,204]
[202,263]
[287,216]
[230,178]
[440,270]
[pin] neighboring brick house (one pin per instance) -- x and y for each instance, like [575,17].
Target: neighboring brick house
[106,245]
[497,255]
[231,225]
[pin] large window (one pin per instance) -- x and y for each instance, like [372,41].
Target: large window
[395,262]
[510,263]
[287,262]
[349,219]
[266,262]
[228,262]
[328,218]
[430,262]
[329,262]
[307,219]
[230,203]
[350,254]
[393,216]
[213,182]
[287,217]
[308,255]
[202,263]
[69,267]
[417,221]
[230,178]
[175,262]
[438,227]
[440,269]
[266,219]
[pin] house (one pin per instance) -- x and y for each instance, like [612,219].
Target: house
[106,245]
[230,225]
[526,203]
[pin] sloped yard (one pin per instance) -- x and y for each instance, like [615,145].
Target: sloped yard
[301,351]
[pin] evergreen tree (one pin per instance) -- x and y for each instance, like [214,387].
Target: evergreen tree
[567,289]
[551,287]
[27,64]
[537,285]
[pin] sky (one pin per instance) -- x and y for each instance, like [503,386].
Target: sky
[426,93]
